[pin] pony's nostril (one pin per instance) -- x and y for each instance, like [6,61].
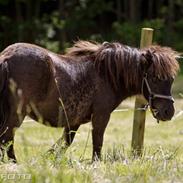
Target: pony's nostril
[166,112]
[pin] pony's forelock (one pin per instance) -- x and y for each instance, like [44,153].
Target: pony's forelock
[164,63]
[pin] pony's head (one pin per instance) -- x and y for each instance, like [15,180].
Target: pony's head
[159,67]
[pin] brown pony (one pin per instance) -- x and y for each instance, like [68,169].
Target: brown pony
[86,84]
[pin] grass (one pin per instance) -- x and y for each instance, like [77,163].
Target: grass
[162,160]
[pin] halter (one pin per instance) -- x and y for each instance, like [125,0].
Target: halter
[153,95]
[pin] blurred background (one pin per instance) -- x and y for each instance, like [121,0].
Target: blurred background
[55,24]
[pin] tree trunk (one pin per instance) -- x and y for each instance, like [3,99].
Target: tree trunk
[62,33]
[37,9]
[158,5]
[126,9]
[150,9]
[28,10]
[30,32]
[134,10]
[119,10]
[19,20]
[170,20]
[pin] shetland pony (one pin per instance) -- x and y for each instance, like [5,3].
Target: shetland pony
[86,84]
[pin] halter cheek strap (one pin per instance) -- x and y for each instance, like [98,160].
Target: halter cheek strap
[153,95]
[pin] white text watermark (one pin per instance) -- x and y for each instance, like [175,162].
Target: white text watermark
[15,176]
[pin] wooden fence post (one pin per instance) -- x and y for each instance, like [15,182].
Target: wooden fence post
[140,115]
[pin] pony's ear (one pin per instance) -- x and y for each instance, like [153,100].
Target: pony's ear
[146,60]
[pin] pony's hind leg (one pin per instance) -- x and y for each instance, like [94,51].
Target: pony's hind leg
[7,144]
[7,136]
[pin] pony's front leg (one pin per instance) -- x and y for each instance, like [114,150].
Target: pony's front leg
[99,123]
[65,141]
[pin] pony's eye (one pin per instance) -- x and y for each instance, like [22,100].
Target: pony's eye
[156,79]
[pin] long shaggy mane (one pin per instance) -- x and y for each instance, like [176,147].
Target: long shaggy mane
[115,60]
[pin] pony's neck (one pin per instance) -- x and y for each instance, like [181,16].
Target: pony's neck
[123,93]
[132,74]
[132,89]
[120,66]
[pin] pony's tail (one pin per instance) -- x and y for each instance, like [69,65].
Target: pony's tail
[4,103]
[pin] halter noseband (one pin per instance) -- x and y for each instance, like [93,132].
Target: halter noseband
[153,95]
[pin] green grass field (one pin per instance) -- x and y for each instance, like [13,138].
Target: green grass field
[162,160]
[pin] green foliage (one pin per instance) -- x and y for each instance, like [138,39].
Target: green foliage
[77,19]
[127,32]
[85,19]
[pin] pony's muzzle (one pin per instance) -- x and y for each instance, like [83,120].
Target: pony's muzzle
[164,114]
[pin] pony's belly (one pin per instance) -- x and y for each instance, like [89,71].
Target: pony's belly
[56,121]
[52,113]
[46,120]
